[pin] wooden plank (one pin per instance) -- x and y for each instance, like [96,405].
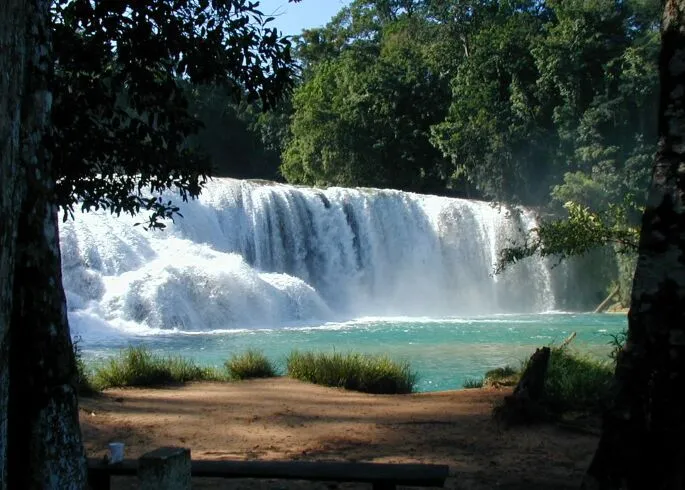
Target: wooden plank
[404,474]
[379,474]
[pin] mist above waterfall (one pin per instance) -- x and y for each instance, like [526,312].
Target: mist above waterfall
[250,255]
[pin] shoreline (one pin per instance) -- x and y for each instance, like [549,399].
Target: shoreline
[450,356]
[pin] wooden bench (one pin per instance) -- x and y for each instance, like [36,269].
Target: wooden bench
[381,475]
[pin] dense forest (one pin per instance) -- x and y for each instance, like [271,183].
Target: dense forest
[549,104]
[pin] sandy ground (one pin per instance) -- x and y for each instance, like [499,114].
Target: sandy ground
[283,419]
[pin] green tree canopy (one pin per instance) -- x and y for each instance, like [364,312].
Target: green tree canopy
[497,131]
[599,65]
[552,89]
[240,139]
[362,118]
[548,102]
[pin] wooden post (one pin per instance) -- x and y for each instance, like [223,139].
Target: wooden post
[166,468]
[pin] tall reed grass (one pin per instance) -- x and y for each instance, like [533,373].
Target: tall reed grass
[137,366]
[359,372]
[250,364]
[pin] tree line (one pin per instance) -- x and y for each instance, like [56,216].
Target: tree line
[518,101]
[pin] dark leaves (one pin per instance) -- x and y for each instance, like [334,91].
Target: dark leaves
[121,120]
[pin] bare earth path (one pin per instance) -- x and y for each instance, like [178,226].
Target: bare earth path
[286,419]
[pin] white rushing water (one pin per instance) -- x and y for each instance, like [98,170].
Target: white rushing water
[250,255]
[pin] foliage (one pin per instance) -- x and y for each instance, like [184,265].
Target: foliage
[126,66]
[495,132]
[357,27]
[250,364]
[502,376]
[617,342]
[232,136]
[472,383]
[364,121]
[576,382]
[137,366]
[560,90]
[369,374]
[582,231]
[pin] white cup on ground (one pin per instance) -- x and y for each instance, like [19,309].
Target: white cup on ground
[116,452]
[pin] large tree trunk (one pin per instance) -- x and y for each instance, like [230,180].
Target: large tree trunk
[44,449]
[13,23]
[643,435]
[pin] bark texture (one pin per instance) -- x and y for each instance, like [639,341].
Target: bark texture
[44,449]
[13,23]
[643,435]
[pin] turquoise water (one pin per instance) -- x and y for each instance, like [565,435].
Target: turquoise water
[444,352]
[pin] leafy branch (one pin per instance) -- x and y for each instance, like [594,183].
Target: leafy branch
[582,231]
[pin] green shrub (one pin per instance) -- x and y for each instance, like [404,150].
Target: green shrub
[576,382]
[250,364]
[470,383]
[369,374]
[502,376]
[136,366]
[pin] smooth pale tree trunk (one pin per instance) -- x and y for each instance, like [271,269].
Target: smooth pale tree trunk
[643,435]
[42,443]
[13,55]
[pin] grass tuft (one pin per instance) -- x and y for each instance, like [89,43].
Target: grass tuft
[137,366]
[250,364]
[471,383]
[369,374]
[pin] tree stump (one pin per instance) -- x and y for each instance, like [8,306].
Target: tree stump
[523,405]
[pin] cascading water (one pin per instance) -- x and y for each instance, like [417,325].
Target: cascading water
[249,255]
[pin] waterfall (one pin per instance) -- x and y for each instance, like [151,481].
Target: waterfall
[250,254]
